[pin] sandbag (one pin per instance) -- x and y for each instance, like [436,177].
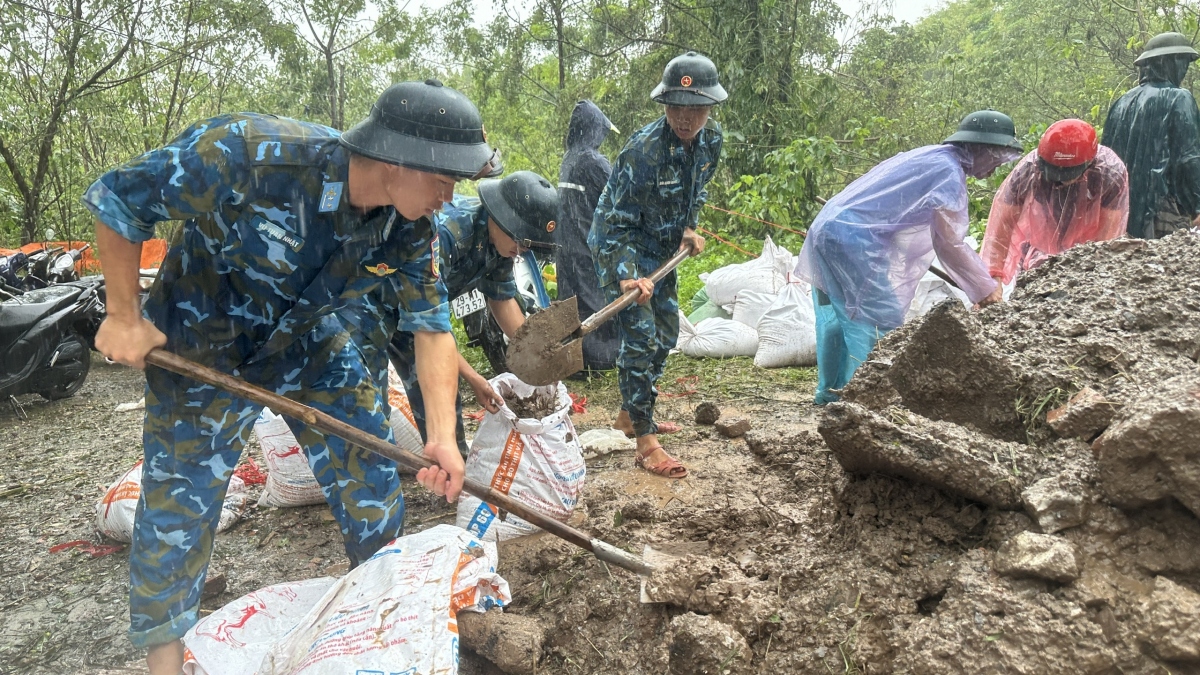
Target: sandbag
[932,291]
[787,334]
[717,339]
[536,461]
[352,625]
[765,274]
[116,511]
[290,480]
[749,307]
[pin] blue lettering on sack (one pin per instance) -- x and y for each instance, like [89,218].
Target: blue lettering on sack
[265,228]
[481,520]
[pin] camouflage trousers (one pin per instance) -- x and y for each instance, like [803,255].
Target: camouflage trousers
[193,437]
[403,355]
[648,333]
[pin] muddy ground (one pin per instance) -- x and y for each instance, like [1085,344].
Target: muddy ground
[789,563]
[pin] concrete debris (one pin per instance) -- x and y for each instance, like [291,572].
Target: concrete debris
[1170,622]
[1041,556]
[597,442]
[1151,451]
[1056,503]
[734,427]
[702,645]
[707,413]
[940,454]
[1084,415]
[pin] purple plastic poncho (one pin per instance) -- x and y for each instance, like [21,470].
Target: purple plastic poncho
[870,245]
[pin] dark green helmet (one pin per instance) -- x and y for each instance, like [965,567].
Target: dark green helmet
[1166,44]
[524,205]
[428,127]
[988,127]
[689,80]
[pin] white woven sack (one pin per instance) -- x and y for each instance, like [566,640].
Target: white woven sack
[717,338]
[395,613]
[404,424]
[290,480]
[787,334]
[749,306]
[537,462]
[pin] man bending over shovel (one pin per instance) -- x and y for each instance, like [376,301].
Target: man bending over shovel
[649,210]
[868,248]
[477,239]
[282,221]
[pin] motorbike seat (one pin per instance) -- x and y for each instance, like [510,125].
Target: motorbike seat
[20,314]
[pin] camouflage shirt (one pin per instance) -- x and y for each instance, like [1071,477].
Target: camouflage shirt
[655,192]
[270,244]
[466,260]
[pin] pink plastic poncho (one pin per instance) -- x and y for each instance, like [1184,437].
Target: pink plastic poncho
[1033,219]
[870,245]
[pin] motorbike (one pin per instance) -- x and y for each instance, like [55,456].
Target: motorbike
[478,322]
[46,339]
[13,270]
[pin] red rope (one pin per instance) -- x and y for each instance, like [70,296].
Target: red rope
[728,243]
[764,222]
[578,404]
[250,473]
[94,550]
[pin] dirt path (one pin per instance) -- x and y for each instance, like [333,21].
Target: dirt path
[69,612]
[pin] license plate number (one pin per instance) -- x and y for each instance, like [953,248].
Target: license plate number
[467,303]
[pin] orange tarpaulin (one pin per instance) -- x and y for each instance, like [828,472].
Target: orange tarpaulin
[153,252]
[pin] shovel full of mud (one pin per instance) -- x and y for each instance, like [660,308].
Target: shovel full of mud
[549,345]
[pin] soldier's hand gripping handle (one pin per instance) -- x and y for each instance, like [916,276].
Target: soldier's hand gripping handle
[124,336]
[692,241]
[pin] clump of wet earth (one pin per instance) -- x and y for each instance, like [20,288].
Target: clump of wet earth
[541,403]
[1007,491]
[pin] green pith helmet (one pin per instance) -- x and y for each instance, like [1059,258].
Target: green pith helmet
[689,80]
[428,127]
[1166,44]
[988,127]
[524,205]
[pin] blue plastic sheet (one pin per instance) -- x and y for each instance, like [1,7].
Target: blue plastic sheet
[870,245]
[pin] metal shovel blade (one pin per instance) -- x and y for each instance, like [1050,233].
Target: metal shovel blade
[537,353]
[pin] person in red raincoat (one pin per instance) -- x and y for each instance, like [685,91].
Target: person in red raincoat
[1067,192]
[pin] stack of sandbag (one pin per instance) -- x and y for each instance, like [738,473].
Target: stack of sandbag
[534,458]
[787,333]
[395,613]
[116,511]
[716,338]
[290,480]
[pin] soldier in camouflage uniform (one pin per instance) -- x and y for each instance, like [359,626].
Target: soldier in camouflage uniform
[478,239]
[284,221]
[648,210]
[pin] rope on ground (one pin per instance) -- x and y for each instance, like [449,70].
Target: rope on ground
[689,385]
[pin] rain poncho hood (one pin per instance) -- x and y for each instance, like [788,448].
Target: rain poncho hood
[1155,129]
[581,178]
[1033,219]
[870,245]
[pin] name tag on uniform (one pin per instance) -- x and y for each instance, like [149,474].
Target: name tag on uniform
[331,196]
[273,231]
[667,183]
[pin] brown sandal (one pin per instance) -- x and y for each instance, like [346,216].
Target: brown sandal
[668,468]
[667,428]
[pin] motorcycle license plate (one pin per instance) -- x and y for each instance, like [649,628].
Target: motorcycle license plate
[467,303]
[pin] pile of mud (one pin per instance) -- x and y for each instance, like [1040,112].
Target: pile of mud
[936,521]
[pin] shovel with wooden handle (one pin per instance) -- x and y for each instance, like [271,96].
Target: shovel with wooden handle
[319,420]
[549,345]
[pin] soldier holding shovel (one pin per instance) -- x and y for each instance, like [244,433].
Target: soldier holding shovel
[648,211]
